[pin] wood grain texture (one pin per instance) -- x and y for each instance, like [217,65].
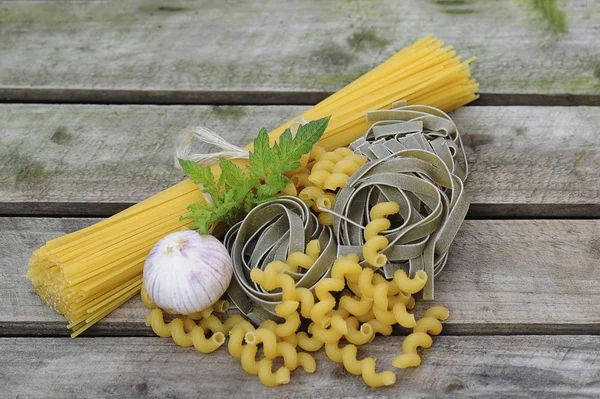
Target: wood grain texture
[77,159]
[502,277]
[495,367]
[158,48]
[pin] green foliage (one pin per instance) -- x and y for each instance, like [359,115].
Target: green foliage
[261,181]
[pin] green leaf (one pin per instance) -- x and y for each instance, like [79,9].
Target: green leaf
[260,155]
[273,185]
[231,174]
[204,177]
[202,214]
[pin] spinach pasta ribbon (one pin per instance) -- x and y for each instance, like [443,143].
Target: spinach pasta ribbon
[271,231]
[418,161]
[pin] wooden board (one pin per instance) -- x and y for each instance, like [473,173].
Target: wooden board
[260,52]
[520,366]
[76,159]
[503,277]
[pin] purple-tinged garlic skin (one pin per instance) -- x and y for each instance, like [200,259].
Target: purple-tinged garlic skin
[187,272]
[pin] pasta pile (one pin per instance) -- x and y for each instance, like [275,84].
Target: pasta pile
[87,274]
[368,304]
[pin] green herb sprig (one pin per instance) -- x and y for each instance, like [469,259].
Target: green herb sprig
[260,181]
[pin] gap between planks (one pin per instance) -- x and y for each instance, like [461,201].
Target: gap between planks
[198,97]
[139,329]
[477,211]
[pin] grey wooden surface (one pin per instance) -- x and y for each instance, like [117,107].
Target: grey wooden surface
[257,52]
[473,366]
[522,282]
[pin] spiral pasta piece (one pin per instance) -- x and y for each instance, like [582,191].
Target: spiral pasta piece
[376,227]
[236,338]
[374,379]
[410,285]
[291,339]
[212,323]
[290,326]
[371,251]
[380,328]
[248,359]
[176,329]
[365,367]
[290,189]
[410,356]
[346,266]
[325,164]
[357,306]
[270,379]
[265,337]
[346,166]
[359,336]
[438,312]
[343,151]
[392,286]
[309,344]
[335,181]
[428,325]
[326,335]
[384,209]
[365,283]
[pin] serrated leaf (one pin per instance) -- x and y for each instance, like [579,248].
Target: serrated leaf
[231,174]
[260,155]
[204,177]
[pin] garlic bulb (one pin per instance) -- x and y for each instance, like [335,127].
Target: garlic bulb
[187,272]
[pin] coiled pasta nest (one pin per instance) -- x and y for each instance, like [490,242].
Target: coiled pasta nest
[416,160]
[270,232]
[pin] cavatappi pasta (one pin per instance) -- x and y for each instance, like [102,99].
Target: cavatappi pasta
[373,306]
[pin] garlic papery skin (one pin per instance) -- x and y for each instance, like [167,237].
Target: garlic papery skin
[187,272]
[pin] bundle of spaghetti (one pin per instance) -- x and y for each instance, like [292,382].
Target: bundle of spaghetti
[87,274]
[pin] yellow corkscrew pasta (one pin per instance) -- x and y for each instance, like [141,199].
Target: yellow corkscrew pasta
[290,326]
[371,251]
[375,227]
[428,325]
[374,379]
[270,379]
[380,328]
[409,356]
[335,181]
[380,296]
[212,323]
[176,330]
[365,367]
[236,338]
[438,312]
[410,285]
[357,306]
[343,151]
[265,337]
[359,336]
[309,344]
[346,266]
[326,335]
[384,209]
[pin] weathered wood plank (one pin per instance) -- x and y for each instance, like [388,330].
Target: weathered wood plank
[76,159]
[518,366]
[150,51]
[503,277]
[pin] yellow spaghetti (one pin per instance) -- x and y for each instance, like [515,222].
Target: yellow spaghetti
[87,274]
